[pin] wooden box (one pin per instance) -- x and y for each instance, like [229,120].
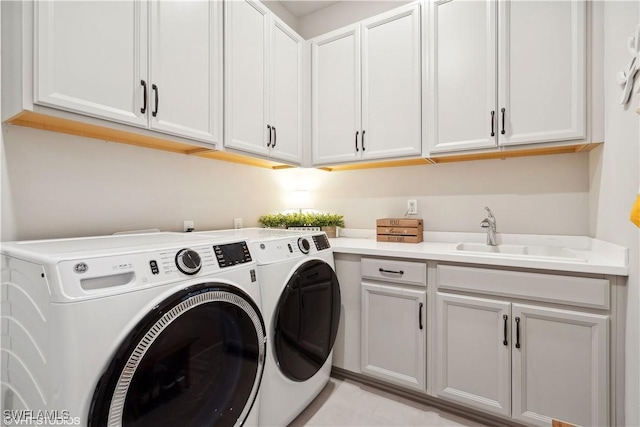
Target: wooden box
[402,230]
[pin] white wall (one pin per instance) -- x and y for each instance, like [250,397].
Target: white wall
[537,195]
[615,177]
[57,185]
[341,14]
[282,13]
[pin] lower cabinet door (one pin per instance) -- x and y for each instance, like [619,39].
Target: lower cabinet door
[473,352]
[560,366]
[394,334]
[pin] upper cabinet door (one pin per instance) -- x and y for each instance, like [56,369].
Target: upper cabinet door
[336,96]
[186,69]
[247,76]
[391,85]
[542,70]
[462,75]
[286,93]
[91,58]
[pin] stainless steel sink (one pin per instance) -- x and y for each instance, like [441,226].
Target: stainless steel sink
[522,251]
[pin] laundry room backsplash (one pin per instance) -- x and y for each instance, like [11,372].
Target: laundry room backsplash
[58,185]
[533,195]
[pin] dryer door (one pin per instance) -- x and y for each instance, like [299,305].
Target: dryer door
[195,360]
[306,320]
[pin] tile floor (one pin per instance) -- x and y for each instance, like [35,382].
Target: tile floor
[349,403]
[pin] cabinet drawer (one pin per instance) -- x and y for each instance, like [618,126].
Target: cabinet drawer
[579,291]
[410,273]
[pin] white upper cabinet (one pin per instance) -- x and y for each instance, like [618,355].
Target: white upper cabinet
[186,72]
[286,93]
[506,73]
[263,82]
[366,89]
[247,76]
[335,75]
[462,95]
[83,65]
[542,75]
[91,58]
[391,85]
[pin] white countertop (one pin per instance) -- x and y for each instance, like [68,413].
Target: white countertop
[601,257]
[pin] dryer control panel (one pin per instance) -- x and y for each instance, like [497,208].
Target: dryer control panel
[321,241]
[275,250]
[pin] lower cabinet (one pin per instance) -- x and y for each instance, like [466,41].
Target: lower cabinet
[393,328]
[529,362]
[394,334]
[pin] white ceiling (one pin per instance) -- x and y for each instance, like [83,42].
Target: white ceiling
[299,8]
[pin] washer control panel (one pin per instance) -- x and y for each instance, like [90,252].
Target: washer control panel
[103,275]
[232,254]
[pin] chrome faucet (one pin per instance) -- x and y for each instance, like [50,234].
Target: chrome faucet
[490,224]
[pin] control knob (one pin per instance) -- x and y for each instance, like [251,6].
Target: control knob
[304,245]
[188,261]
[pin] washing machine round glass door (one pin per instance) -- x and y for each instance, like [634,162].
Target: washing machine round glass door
[306,320]
[195,360]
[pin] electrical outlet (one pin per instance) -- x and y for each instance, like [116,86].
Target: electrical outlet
[412,207]
[188,226]
[237,223]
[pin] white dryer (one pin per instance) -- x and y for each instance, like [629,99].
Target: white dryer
[301,307]
[132,330]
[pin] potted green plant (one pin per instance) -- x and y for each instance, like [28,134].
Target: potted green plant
[326,222]
[273,221]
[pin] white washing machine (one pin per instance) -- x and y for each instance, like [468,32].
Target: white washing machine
[132,330]
[301,307]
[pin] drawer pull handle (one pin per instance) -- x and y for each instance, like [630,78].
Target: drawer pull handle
[420,315]
[502,110]
[357,149]
[517,332]
[505,342]
[382,270]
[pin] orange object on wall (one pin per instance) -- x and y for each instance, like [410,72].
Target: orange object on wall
[635,212]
